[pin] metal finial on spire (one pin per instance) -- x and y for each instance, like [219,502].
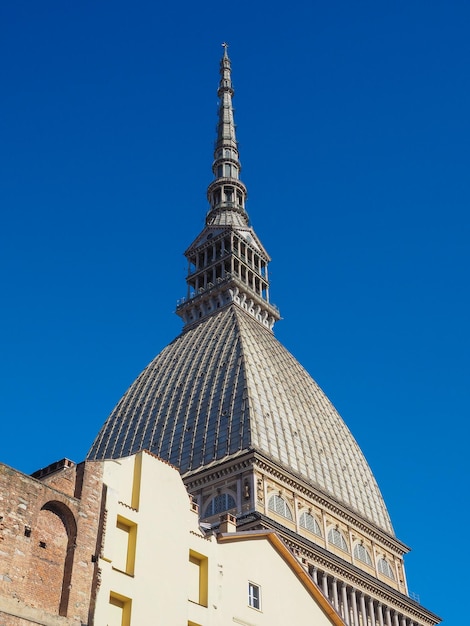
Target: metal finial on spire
[227,193]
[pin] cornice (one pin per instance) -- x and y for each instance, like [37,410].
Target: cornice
[328,502]
[254,459]
[221,469]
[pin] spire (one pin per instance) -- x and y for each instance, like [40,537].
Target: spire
[227,263]
[226,194]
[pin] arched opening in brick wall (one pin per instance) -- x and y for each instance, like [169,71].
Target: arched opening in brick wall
[52,557]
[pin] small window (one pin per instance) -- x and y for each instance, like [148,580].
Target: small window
[124,545]
[308,522]
[362,554]
[254,596]
[384,568]
[279,505]
[119,610]
[337,539]
[198,578]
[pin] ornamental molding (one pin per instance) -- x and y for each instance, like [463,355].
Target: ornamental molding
[328,503]
[195,480]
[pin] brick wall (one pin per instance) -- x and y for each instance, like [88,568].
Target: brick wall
[49,537]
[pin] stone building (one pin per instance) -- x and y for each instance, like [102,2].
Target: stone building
[275,475]
[250,431]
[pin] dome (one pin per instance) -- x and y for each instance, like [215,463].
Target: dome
[226,386]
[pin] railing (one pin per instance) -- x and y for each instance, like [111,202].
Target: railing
[220,281]
[227,204]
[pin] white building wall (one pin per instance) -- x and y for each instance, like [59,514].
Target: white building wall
[153,549]
[284,599]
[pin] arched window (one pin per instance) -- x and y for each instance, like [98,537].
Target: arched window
[310,523]
[362,554]
[384,568]
[278,505]
[219,504]
[337,539]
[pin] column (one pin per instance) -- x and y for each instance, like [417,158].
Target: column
[362,604]
[265,496]
[314,574]
[371,612]
[344,597]
[395,619]
[267,282]
[325,528]
[354,607]
[239,495]
[324,583]
[335,594]
[380,614]
[388,619]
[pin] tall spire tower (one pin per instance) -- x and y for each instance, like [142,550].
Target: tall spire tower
[227,262]
[251,432]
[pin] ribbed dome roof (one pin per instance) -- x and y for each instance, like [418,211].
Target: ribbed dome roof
[226,386]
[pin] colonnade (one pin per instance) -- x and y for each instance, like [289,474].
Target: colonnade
[355,607]
[224,258]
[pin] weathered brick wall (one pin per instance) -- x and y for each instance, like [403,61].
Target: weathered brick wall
[48,540]
[47,562]
[30,616]
[63,480]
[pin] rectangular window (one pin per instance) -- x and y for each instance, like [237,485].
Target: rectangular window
[119,613]
[198,578]
[254,596]
[125,545]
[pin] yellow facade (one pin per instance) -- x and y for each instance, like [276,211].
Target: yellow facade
[159,567]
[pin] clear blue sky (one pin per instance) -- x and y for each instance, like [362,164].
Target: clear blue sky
[353,123]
